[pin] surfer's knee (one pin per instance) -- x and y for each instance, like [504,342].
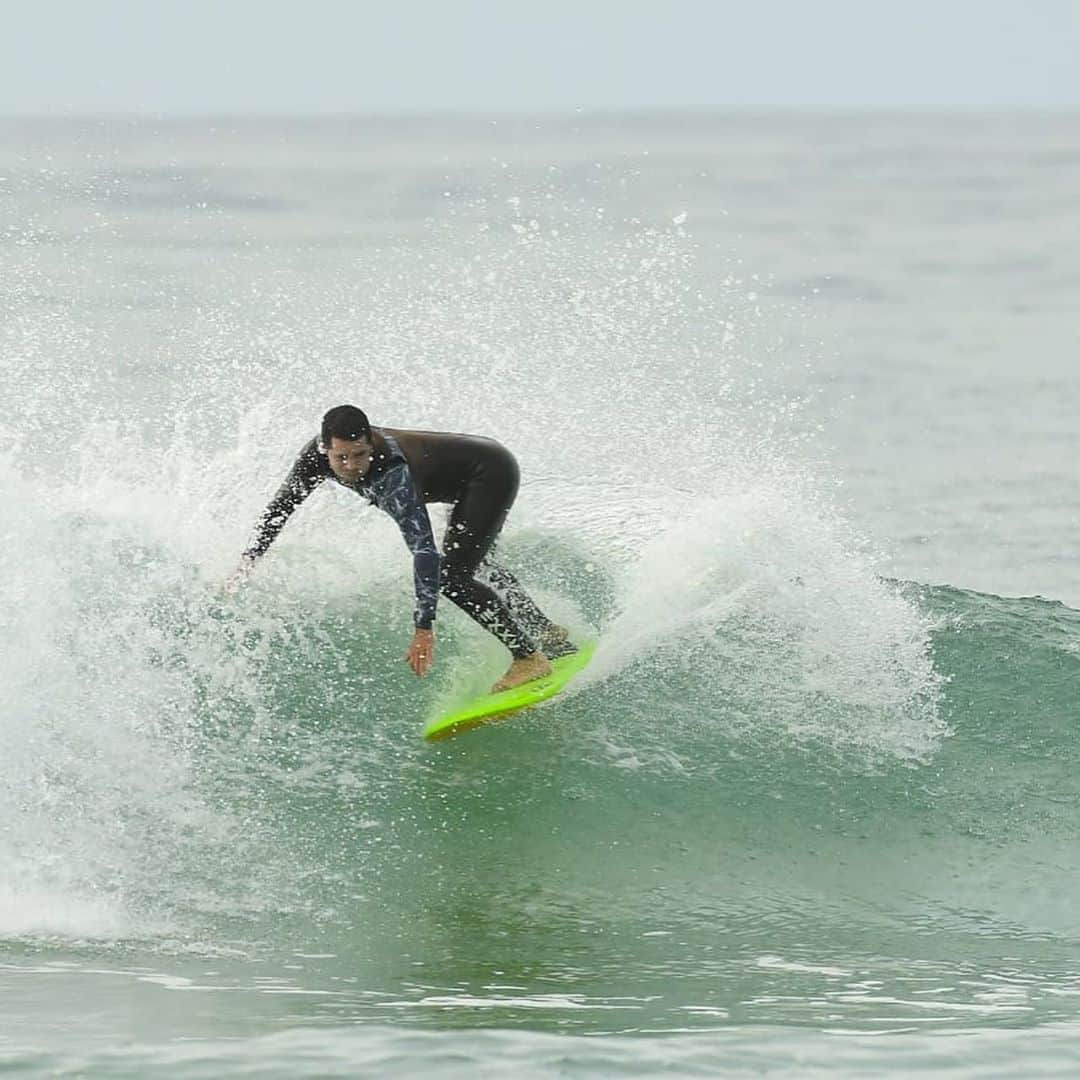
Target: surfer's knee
[454,583]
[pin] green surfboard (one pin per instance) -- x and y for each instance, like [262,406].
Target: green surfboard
[492,707]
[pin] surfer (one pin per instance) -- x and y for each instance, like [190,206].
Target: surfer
[400,472]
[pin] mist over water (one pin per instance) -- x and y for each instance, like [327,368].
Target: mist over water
[791,790]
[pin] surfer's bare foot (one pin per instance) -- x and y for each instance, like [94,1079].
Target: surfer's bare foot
[555,642]
[526,669]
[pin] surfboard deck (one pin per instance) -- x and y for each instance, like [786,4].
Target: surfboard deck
[491,707]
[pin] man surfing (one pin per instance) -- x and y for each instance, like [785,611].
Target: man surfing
[400,472]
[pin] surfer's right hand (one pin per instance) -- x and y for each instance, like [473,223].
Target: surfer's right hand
[232,584]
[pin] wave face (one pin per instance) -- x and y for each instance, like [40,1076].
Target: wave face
[768,800]
[790,790]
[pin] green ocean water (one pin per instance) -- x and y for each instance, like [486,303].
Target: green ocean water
[814,806]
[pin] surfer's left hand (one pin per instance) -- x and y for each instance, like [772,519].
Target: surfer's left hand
[421,654]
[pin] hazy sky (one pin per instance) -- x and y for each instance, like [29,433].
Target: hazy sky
[488,56]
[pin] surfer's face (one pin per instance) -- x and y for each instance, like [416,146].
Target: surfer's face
[349,460]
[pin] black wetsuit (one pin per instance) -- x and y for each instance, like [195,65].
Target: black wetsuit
[408,470]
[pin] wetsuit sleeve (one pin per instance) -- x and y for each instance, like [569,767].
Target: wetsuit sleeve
[395,493]
[304,477]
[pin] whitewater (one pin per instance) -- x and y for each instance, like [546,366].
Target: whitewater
[794,399]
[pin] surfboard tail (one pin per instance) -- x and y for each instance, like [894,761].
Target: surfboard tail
[493,707]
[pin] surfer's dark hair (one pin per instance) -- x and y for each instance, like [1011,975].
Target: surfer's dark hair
[345,422]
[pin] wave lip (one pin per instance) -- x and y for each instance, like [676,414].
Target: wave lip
[767,622]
